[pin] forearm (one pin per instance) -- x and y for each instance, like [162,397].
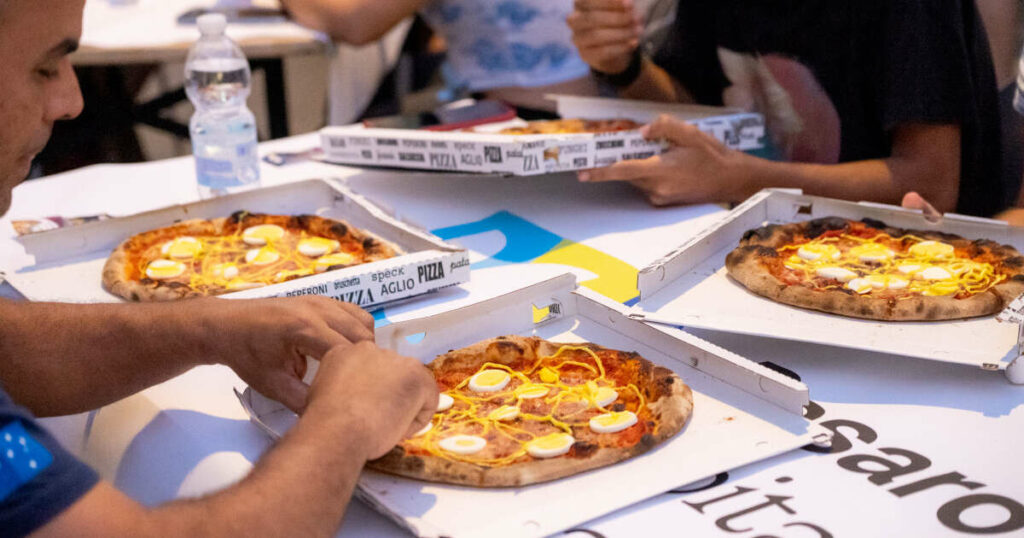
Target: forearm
[655,84]
[299,488]
[356,22]
[63,358]
[880,180]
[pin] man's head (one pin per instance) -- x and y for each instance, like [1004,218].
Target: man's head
[37,83]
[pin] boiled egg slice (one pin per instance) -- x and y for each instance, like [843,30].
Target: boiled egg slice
[444,402]
[239,285]
[331,260]
[424,430]
[550,446]
[612,422]
[164,269]
[227,271]
[531,391]
[872,252]
[505,412]
[262,234]
[931,250]
[489,380]
[317,246]
[262,256]
[548,375]
[815,252]
[463,444]
[941,288]
[909,268]
[935,273]
[836,273]
[182,248]
[605,396]
[860,285]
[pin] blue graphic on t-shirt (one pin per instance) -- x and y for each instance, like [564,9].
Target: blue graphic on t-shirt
[516,13]
[22,458]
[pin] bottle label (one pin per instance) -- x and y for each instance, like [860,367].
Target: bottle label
[216,173]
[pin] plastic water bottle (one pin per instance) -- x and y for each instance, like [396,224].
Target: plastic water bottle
[223,129]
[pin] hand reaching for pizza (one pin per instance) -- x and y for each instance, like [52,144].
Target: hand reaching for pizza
[265,341]
[372,393]
[697,168]
[606,32]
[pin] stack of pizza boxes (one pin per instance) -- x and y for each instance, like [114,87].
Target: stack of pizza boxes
[486,151]
[70,261]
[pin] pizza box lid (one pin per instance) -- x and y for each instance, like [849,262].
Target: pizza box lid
[743,412]
[69,261]
[690,287]
[485,152]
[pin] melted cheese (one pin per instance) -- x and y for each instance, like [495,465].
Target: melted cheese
[926,267]
[566,400]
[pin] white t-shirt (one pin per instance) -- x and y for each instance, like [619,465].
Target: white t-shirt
[501,43]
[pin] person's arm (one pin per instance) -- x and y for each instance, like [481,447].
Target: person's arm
[356,22]
[607,34]
[58,359]
[699,169]
[363,401]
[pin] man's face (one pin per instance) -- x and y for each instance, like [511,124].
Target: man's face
[37,83]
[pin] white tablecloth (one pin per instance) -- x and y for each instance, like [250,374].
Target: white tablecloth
[924,448]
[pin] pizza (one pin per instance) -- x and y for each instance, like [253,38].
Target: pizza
[866,269]
[243,251]
[572,126]
[520,410]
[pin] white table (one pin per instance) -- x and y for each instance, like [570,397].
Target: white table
[931,422]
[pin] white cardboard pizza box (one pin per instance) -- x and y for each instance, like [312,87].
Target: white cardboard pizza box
[485,152]
[743,413]
[69,261]
[690,287]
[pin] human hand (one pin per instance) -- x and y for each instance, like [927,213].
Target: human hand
[606,32]
[266,341]
[373,393]
[912,200]
[696,168]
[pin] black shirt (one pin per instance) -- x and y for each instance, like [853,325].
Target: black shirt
[880,63]
[38,478]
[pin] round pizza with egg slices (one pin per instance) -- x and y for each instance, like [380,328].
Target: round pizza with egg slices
[572,126]
[866,269]
[521,410]
[243,251]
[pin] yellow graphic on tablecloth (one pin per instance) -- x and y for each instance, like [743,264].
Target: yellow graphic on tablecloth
[616,279]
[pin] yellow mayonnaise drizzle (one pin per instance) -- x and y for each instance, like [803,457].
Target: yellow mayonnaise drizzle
[459,418]
[214,251]
[966,275]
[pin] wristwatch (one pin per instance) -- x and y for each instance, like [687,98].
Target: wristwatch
[628,76]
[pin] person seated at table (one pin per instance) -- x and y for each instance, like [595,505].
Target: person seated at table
[512,51]
[865,100]
[57,359]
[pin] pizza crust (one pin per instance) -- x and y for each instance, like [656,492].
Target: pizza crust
[743,265]
[669,399]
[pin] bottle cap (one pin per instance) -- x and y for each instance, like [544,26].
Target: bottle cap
[212,23]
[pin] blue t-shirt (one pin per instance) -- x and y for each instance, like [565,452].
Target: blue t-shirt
[506,43]
[38,478]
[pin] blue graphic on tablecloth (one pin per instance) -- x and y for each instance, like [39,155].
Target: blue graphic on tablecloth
[518,14]
[22,458]
[524,240]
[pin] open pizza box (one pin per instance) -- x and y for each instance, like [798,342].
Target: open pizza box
[69,261]
[743,412]
[484,151]
[690,288]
